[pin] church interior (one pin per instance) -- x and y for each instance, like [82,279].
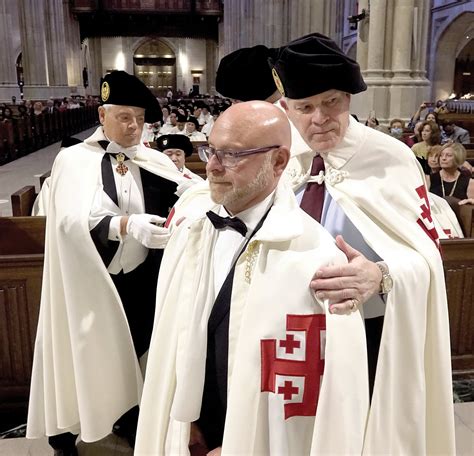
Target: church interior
[416,57]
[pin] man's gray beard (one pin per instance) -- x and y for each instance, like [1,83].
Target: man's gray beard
[252,188]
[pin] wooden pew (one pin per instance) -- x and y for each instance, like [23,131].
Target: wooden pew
[21,266]
[458,261]
[21,269]
[23,200]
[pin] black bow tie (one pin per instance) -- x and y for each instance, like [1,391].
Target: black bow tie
[222,222]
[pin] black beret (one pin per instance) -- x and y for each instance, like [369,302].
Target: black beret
[70,141]
[245,75]
[181,118]
[313,64]
[194,121]
[123,89]
[175,142]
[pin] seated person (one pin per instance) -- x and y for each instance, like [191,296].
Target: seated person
[177,148]
[450,181]
[455,133]
[430,135]
[178,129]
[192,130]
[433,159]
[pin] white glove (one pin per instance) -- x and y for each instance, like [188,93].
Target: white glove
[143,227]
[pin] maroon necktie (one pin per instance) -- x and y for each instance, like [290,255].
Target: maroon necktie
[313,197]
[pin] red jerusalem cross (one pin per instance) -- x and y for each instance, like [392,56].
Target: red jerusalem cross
[311,368]
[426,221]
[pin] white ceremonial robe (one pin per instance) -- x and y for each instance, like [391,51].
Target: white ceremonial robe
[270,291]
[85,370]
[380,186]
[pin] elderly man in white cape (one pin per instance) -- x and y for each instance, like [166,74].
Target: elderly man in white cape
[244,358]
[375,194]
[102,254]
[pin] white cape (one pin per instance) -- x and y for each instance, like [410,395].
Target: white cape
[381,188]
[85,370]
[271,287]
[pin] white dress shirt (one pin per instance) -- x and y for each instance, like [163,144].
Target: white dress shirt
[336,222]
[229,242]
[130,252]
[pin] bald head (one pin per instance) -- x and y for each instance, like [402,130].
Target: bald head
[252,124]
[256,136]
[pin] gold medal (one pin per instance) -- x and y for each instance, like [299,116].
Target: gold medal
[121,168]
[105,91]
[278,82]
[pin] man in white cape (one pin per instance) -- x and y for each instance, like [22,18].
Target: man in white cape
[273,372]
[375,195]
[94,326]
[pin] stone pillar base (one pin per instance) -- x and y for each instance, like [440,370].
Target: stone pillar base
[7,91]
[404,92]
[32,92]
[375,98]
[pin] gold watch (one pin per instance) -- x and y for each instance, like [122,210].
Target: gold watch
[386,284]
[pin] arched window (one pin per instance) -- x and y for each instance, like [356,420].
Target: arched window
[155,64]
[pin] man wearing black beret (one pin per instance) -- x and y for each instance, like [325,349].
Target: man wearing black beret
[108,198]
[177,148]
[245,75]
[366,188]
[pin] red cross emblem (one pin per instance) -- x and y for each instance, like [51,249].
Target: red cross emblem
[426,221]
[293,367]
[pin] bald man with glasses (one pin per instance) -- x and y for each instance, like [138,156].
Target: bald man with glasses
[244,358]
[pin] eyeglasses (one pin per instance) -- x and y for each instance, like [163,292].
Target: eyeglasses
[229,158]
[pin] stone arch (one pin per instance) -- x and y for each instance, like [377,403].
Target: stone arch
[449,40]
[154,62]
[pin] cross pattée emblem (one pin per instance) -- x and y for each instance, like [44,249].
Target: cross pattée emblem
[292,367]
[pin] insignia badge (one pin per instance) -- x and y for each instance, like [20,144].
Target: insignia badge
[278,82]
[105,91]
[121,168]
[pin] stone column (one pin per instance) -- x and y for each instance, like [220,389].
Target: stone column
[95,65]
[73,48]
[211,51]
[31,15]
[375,58]
[55,45]
[8,78]
[409,85]
[402,38]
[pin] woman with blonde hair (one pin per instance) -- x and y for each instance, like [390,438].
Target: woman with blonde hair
[449,180]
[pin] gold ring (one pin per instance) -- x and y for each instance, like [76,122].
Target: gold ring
[353,305]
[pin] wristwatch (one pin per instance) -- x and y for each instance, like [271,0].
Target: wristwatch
[386,283]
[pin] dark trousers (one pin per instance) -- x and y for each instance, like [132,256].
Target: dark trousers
[137,291]
[373,334]
[65,442]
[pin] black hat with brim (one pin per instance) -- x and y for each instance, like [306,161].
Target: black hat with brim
[312,65]
[123,89]
[245,75]
[175,142]
[194,121]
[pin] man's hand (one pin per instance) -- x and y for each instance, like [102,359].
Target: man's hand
[215,452]
[143,227]
[349,285]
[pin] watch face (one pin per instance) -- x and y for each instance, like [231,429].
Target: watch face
[387,283]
